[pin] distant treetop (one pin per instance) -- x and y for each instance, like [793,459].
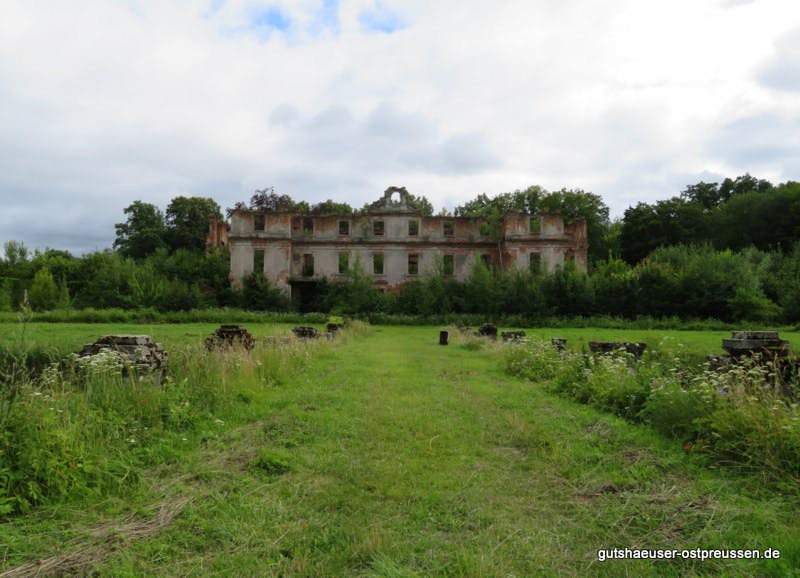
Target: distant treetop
[266,200]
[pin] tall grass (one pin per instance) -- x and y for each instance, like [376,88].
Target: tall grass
[81,428]
[746,416]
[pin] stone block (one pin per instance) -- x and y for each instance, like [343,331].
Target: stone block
[635,349]
[487,330]
[512,335]
[230,336]
[137,353]
[305,332]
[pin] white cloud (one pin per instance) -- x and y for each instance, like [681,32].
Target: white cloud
[147,100]
[782,71]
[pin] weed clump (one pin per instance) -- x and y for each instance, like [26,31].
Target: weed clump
[533,359]
[78,428]
[747,415]
[271,462]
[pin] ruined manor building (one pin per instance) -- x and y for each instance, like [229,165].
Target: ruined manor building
[393,243]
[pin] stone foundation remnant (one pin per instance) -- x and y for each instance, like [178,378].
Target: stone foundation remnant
[512,335]
[333,328]
[487,330]
[746,344]
[443,337]
[138,353]
[749,343]
[305,332]
[635,349]
[560,343]
[230,336]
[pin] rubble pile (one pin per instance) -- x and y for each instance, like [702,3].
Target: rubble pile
[305,332]
[635,349]
[137,353]
[334,327]
[230,336]
[512,335]
[487,330]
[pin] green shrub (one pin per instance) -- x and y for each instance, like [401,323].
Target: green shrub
[568,291]
[45,294]
[752,305]
[5,295]
[752,422]
[533,359]
[572,378]
[747,414]
[674,408]
[620,384]
[180,296]
[258,294]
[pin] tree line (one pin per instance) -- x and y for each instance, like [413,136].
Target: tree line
[680,281]
[726,250]
[734,214]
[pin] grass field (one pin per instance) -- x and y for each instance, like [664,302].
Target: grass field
[388,455]
[70,336]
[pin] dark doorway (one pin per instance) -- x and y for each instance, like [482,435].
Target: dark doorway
[303,295]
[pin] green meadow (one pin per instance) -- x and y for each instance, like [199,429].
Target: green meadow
[380,453]
[70,336]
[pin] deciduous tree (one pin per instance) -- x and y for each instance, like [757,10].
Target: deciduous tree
[187,222]
[143,233]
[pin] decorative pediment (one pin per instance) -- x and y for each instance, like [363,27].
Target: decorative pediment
[394,200]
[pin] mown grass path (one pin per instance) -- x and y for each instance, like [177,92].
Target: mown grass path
[408,458]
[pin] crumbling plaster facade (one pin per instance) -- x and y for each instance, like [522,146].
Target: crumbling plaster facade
[393,243]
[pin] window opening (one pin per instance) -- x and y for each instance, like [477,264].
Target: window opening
[308,265]
[535,264]
[258,260]
[413,264]
[377,263]
[448,265]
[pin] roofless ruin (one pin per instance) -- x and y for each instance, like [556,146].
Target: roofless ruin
[393,242]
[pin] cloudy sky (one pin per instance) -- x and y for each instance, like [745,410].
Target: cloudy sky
[108,101]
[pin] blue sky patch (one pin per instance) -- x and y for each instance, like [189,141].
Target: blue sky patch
[330,14]
[214,6]
[325,18]
[380,19]
[271,18]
